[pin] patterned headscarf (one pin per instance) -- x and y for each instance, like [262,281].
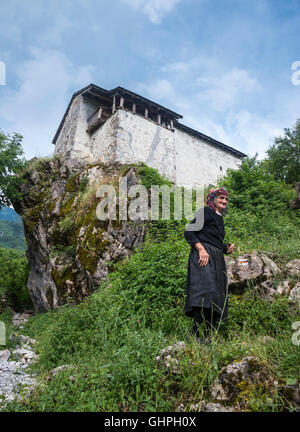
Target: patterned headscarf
[213,193]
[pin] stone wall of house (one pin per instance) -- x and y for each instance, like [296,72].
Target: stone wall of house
[129,138]
[73,140]
[139,139]
[200,163]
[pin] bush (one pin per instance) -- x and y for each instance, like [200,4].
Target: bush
[259,214]
[13,279]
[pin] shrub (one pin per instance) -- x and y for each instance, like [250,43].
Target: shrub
[13,279]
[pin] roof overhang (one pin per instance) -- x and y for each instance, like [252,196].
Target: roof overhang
[95,91]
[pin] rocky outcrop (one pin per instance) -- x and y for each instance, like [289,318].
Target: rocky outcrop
[70,251]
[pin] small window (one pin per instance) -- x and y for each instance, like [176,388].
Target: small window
[221,169]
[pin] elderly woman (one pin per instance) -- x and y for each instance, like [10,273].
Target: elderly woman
[206,289]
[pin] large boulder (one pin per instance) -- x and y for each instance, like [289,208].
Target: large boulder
[70,250]
[255,267]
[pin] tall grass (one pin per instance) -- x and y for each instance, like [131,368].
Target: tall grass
[113,337]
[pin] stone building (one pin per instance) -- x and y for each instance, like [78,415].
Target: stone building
[120,125]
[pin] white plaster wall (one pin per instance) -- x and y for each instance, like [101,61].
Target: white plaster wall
[66,138]
[73,140]
[198,163]
[104,140]
[82,142]
[142,140]
[130,138]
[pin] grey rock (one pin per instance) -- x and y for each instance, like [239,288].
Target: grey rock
[20,318]
[216,407]
[250,370]
[169,357]
[24,354]
[266,290]
[295,293]
[13,374]
[59,369]
[4,355]
[249,267]
[293,267]
[86,264]
[283,288]
[266,339]
[207,407]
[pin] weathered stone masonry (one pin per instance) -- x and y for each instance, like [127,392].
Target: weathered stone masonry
[121,126]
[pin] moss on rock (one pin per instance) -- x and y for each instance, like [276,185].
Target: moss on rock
[60,197]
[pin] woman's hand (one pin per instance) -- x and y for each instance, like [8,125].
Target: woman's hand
[230,248]
[203,257]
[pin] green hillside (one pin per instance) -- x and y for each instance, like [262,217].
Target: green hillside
[12,235]
[113,338]
[9,214]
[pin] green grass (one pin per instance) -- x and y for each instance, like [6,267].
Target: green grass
[112,338]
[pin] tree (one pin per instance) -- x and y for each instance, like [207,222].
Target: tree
[284,156]
[11,163]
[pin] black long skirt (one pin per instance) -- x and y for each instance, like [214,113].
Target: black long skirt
[206,286]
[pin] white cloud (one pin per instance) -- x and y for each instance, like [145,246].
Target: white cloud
[192,66]
[218,110]
[164,92]
[224,91]
[46,83]
[155,10]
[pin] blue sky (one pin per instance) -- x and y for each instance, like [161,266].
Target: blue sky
[225,65]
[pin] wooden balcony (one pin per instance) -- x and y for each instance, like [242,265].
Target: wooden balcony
[98,118]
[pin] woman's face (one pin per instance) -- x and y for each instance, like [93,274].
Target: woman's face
[221,202]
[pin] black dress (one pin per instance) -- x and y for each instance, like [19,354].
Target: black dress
[207,285]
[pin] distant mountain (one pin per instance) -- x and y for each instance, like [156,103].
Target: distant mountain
[11,229]
[9,214]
